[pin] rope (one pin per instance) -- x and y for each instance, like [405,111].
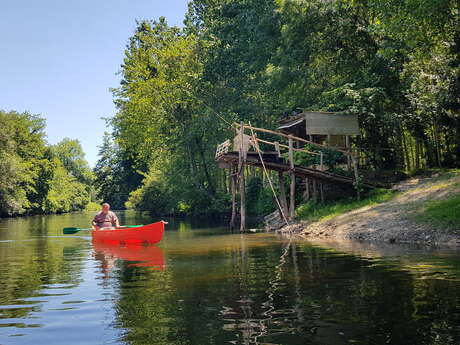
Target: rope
[231,125]
[266,173]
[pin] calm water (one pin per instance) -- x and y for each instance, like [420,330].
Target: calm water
[205,285]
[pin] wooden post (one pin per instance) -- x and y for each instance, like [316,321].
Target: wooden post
[224,179]
[347,145]
[292,196]
[437,140]
[355,169]
[241,163]
[321,191]
[277,148]
[321,161]
[283,200]
[315,190]
[306,194]
[233,176]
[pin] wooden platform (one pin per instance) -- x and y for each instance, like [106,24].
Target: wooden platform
[273,162]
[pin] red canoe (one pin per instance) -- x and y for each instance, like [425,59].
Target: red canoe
[143,234]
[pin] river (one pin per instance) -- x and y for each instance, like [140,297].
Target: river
[206,285]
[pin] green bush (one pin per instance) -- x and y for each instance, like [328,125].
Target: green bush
[93,206]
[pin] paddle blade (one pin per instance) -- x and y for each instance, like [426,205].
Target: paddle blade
[68,231]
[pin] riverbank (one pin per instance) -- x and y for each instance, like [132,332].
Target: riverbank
[413,215]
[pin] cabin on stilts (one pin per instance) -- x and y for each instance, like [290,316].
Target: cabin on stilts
[315,137]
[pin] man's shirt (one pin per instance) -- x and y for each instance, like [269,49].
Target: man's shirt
[105,220]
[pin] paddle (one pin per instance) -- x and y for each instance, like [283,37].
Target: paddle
[68,231]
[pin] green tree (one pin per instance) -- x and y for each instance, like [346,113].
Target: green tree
[33,177]
[162,127]
[22,149]
[70,153]
[114,176]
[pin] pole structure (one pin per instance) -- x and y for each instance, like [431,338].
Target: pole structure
[241,164]
[355,169]
[234,177]
[292,196]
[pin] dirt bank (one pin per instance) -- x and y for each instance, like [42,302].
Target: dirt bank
[392,221]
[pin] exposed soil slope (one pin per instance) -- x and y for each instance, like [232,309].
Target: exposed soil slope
[392,221]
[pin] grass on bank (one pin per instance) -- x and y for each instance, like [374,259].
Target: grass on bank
[442,213]
[312,211]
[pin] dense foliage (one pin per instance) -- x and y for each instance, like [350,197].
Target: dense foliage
[396,64]
[37,178]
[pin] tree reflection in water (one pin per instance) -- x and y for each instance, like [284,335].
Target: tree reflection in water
[244,292]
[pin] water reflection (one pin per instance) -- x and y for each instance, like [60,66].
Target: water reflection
[204,285]
[255,290]
[137,255]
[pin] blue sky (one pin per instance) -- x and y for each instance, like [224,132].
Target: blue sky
[60,57]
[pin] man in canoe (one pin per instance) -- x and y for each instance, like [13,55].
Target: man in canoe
[105,218]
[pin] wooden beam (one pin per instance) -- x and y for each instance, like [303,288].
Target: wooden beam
[302,171]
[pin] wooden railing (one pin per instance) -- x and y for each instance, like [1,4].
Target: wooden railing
[223,148]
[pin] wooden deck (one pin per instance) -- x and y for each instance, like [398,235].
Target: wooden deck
[273,162]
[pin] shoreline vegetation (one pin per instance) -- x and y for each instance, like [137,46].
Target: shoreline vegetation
[256,61]
[38,178]
[422,210]
[395,69]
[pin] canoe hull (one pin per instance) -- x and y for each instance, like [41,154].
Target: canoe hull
[145,234]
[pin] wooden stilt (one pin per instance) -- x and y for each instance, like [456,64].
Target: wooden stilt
[292,175]
[283,200]
[306,193]
[277,148]
[355,169]
[315,191]
[321,191]
[233,187]
[347,144]
[241,163]
[242,201]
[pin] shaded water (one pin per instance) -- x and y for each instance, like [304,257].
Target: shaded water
[205,285]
